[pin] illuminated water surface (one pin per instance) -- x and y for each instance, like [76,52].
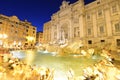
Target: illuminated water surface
[61,64]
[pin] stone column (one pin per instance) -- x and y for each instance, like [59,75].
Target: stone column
[52,34]
[70,30]
[81,25]
[58,32]
[95,24]
[108,21]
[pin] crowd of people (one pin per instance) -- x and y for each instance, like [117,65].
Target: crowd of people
[14,69]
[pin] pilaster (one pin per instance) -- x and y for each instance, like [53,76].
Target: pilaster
[95,24]
[81,25]
[108,21]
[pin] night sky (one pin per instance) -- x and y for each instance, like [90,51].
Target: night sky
[35,11]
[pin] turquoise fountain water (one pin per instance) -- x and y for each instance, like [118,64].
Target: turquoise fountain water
[61,64]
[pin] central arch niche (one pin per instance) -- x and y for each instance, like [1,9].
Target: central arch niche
[64,32]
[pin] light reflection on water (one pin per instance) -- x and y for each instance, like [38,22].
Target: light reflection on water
[60,64]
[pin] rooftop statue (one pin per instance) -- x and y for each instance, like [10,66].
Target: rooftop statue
[64,4]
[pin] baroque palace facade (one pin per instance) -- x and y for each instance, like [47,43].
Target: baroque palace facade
[96,23]
[15,33]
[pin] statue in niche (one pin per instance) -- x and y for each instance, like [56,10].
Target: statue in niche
[63,34]
[62,40]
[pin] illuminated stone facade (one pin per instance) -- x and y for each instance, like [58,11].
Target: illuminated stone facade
[39,37]
[96,23]
[19,34]
[47,34]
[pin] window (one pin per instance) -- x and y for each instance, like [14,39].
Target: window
[89,42]
[118,42]
[114,9]
[26,43]
[16,22]
[101,29]
[16,32]
[100,13]
[102,41]
[27,26]
[117,27]
[89,32]
[12,25]
[26,30]
[98,2]
[0,22]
